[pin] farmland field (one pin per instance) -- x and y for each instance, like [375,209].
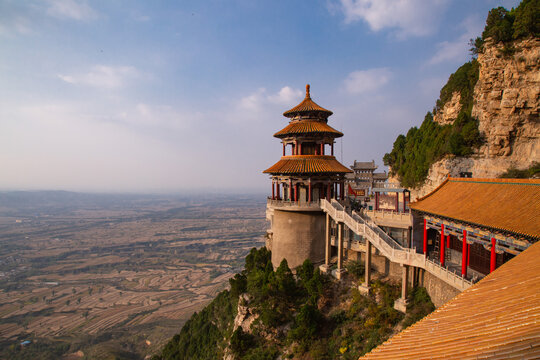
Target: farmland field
[114,276]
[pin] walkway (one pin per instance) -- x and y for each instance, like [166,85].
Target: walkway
[388,247]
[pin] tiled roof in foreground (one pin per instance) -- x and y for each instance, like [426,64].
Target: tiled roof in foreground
[308,127]
[497,318]
[307,164]
[505,204]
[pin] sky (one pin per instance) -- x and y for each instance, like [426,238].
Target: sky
[175,96]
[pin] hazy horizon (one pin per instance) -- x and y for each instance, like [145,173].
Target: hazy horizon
[146,97]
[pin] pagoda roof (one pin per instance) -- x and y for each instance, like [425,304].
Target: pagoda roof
[307,164]
[496,318]
[308,127]
[306,106]
[511,205]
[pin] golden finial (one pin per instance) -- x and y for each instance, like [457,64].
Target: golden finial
[307,91]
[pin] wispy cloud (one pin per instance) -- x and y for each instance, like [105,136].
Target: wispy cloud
[406,17]
[71,9]
[458,48]
[362,81]
[102,76]
[261,98]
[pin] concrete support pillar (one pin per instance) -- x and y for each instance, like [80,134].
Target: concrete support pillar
[340,271]
[364,288]
[493,260]
[296,192]
[441,245]
[309,191]
[340,246]
[401,303]
[425,236]
[464,255]
[325,268]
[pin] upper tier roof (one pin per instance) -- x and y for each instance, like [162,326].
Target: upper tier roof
[497,318]
[306,106]
[511,205]
[307,164]
[308,127]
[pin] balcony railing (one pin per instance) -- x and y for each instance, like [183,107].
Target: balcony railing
[296,205]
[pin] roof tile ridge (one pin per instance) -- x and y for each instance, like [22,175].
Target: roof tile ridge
[432,192]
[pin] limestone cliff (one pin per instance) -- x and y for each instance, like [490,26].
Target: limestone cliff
[506,103]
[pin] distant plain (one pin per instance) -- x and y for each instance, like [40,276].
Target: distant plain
[114,276]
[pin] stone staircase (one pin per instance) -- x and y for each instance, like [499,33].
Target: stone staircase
[388,247]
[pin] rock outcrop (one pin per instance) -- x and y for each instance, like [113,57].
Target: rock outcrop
[506,104]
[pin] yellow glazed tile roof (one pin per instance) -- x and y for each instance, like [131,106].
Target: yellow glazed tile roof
[504,204]
[307,105]
[307,164]
[307,127]
[497,318]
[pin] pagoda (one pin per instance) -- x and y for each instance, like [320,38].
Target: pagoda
[306,172]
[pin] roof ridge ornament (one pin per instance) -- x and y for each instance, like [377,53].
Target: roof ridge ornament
[307,92]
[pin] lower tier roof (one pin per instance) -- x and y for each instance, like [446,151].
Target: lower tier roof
[307,164]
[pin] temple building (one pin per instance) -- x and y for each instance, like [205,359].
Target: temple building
[307,171]
[476,225]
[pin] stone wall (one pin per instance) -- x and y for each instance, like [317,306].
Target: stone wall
[297,236]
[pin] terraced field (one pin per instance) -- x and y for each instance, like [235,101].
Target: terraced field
[114,276]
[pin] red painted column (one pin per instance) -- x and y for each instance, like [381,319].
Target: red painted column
[448,242]
[328,192]
[283,149]
[309,192]
[322,149]
[296,192]
[464,255]
[493,262]
[332,150]
[442,245]
[425,236]
[277,188]
[300,149]
[273,195]
[290,190]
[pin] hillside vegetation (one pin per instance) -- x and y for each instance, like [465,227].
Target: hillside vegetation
[413,154]
[307,315]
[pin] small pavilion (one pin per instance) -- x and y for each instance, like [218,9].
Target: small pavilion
[308,170]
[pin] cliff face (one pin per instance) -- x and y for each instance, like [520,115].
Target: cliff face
[506,104]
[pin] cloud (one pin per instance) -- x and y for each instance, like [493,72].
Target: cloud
[406,17]
[102,76]
[367,80]
[70,9]
[457,49]
[256,101]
